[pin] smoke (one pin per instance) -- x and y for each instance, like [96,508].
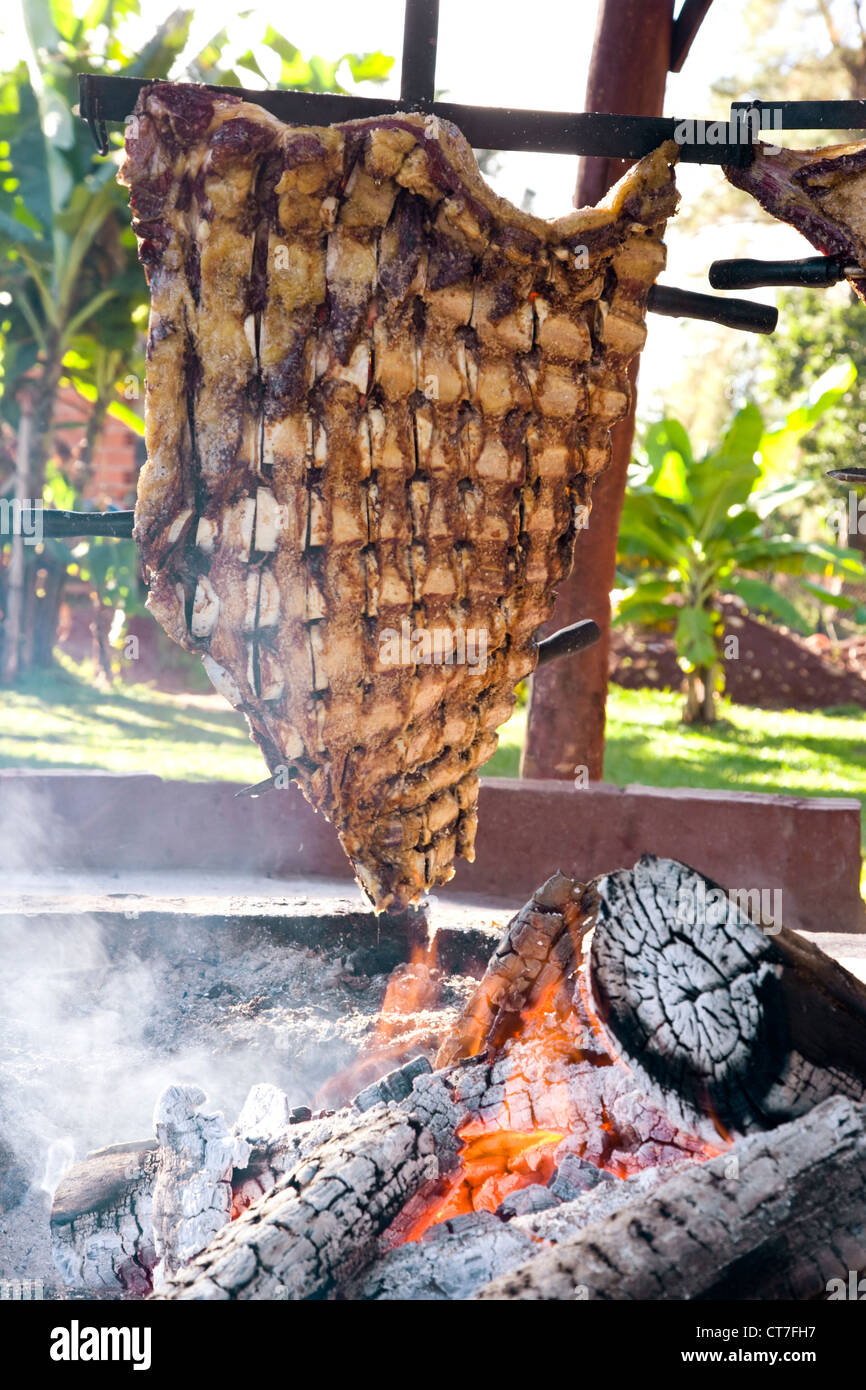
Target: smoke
[98,1014]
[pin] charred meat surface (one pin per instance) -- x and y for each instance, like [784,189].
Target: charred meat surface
[377,398]
[820,192]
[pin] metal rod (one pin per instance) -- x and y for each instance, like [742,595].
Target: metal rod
[848,475]
[809,115]
[812,271]
[568,641]
[420,38]
[46,522]
[685,31]
[268,784]
[730,313]
[117,524]
[104,98]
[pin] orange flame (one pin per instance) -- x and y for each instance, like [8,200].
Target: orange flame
[412,989]
[494,1163]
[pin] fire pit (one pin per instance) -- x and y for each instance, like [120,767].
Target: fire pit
[426,1125]
[640,1084]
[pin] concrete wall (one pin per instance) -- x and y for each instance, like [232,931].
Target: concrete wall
[807,848]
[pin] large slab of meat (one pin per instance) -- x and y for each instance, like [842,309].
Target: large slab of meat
[820,192]
[377,397]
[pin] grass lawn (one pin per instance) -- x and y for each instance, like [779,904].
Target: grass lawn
[61,721]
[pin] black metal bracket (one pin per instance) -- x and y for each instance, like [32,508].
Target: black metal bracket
[112,99]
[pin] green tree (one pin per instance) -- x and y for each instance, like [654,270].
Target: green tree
[696,528]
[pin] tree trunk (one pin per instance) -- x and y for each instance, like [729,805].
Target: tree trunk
[567,712]
[16,589]
[700,705]
[30,623]
[45,613]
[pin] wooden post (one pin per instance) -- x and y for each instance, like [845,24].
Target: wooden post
[627,76]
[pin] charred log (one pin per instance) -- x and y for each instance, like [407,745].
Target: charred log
[120,1211]
[192,1196]
[778,1218]
[538,954]
[101,1220]
[729,1027]
[320,1218]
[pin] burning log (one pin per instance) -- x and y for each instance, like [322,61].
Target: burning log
[538,954]
[725,1026]
[729,1027]
[453,1260]
[321,1217]
[459,1256]
[101,1220]
[777,1218]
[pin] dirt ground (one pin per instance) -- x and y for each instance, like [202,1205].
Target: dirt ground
[773,668]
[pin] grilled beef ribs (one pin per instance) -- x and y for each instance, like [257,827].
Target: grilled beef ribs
[820,192]
[377,398]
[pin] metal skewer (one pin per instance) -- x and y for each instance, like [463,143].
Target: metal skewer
[816,272]
[730,313]
[567,642]
[848,475]
[49,523]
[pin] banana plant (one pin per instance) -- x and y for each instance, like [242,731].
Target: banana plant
[694,529]
[67,255]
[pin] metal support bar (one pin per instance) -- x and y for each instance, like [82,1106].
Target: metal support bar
[568,641]
[52,524]
[686,26]
[742,314]
[113,99]
[420,39]
[808,115]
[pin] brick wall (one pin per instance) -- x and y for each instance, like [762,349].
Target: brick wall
[119,451]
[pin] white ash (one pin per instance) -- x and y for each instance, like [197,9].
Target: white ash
[192,1196]
[602,1200]
[449,1262]
[97,1019]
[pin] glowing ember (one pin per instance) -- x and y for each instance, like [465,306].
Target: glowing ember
[494,1163]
